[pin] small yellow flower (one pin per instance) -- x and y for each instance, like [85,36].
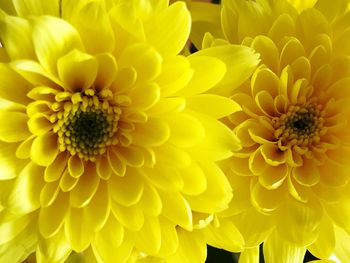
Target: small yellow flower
[110,140]
[291,177]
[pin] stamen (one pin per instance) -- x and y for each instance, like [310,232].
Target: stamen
[86,125]
[301,125]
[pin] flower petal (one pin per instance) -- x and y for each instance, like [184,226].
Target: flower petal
[12,86]
[185,130]
[189,242]
[278,250]
[13,126]
[126,190]
[86,187]
[152,133]
[83,14]
[36,8]
[307,174]
[51,218]
[53,38]
[25,194]
[144,59]
[131,217]
[44,149]
[77,70]
[150,200]
[324,246]
[148,239]
[15,30]
[218,193]
[77,229]
[55,170]
[98,209]
[208,71]
[170,29]
[298,222]
[75,166]
[177,209]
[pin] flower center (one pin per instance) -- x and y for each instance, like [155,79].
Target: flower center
[301,125]
[87,126]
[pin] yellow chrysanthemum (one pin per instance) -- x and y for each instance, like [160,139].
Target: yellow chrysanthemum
[291,177]
[109,143]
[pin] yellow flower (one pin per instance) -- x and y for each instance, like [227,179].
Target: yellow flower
[291,177]
[110,140]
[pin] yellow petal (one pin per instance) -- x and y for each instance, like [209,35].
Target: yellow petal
[170,155]
[82,15]
[75,166]
[103,169]
[308,174]
[9,230]
[165,177]
[16,30]
[77,70]
[44,149]
[185,130]
[131,156]
[298,222]
[107,71]
[13,126]
[225,236]
[150,200]
[240,63]
[273,177]
[218,143]
[249,255]
[145,96]
[212,105]
[148,239]
[67,182]
[118,167]
[36,8]
[10,166]
[342,248]
[152,133]
[169,238]
[324,246]
[98,209]
[265,80]
[77,230]
[39,124]
[338,7]
[49,193]
[170,29]
[176,73]
[106,251]
[12,86]
[254,226]
[144,59]
[208,71]
[126,190]
[131,217]
[25,194]
[194,179]
[218,193]
[278,250]
[53,38]
[55,170]
[189,242]
[86,187]
[53,249]
[177,209]
[265,200]
[51,218]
